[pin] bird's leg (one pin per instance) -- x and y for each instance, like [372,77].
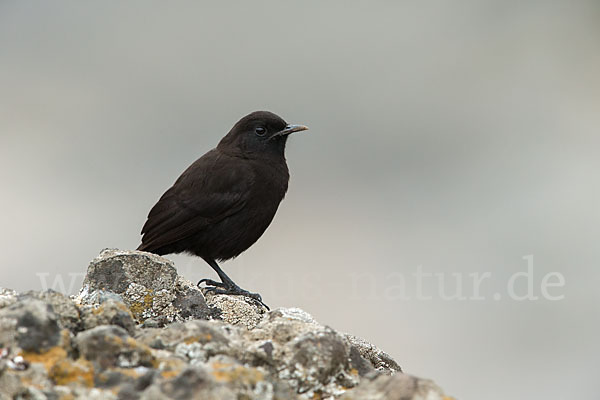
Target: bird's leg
[227,286]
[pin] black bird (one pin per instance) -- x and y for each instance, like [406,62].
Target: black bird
[226,199]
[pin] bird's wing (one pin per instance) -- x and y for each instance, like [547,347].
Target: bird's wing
[211,189]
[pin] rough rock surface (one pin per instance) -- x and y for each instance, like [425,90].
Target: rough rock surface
[137,330]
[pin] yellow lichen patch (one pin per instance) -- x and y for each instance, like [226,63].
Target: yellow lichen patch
[198,338]
[131,372]
[102,308]
[224,372]
[154,362]
[62,370]
[170,366]
[221,365]
[148,299]
[169,374]
[354,371]
[98,310]
[134,344]
[138,308]
[102,378]
[27,381]
[48,359]
[65,372]
[68,396]
[191,339]
[115,339]
[65,338]
[119,375]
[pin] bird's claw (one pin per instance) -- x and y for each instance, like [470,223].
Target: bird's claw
[220,288]
[210,282]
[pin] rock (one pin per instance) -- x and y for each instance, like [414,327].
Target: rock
[380,360]
[396,387]
[29,324]
[147,284]
[137,330]
[7,297]
[237,310]
[63,306]
[109,312]
[115,271]
[111,346]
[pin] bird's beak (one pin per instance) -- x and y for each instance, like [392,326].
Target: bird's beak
[290,129]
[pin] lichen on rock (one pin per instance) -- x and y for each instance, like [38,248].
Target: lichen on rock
[137,330]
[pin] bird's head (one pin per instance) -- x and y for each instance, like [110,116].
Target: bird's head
[259,134]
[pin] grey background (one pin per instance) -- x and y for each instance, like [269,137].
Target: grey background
[457,137]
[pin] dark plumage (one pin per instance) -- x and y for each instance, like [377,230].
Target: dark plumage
[226,199]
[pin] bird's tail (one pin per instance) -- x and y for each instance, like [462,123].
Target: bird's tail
[142,247]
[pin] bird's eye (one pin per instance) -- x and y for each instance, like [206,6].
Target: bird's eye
[260,131]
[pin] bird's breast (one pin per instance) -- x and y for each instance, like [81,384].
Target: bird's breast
[239,231]
[270,181]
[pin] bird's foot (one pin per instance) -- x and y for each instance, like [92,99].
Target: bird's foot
[221,288]
[210,282]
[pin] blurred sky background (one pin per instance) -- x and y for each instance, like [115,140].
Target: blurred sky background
[458,137]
